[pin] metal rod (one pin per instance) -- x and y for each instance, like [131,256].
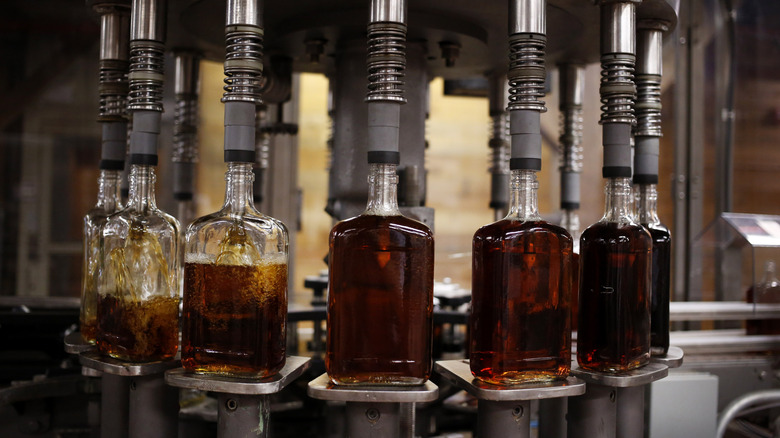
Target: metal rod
[154,408]
[242,416]
[594,414]
[552,417]
[373,420]
[504,419]
[631,412]
[114,406]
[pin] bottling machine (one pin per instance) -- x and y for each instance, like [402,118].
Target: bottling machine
[710,377]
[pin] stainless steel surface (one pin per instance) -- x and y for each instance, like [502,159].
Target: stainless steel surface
[293,368]
[552,417]
[114,406]
[244,12]
[321,388]
[374,420]
[75,344]
[571,83]
[697,342]
[459,373]
[114,30]
[242,416]
[392,11]
[528,16]
[637,377]
[649,52]
[186,72]
[769,398]
[721,311]
[504,419]
[153,407]
[673,359]
[630,412]
[95,360]
[594,414]
[89,372]
[148,20]
[618,27]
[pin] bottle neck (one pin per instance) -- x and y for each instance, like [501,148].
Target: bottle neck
[239,184]
[109,197]
[646,196]
[618,200]
[382,190]
[142,180]
[570,220]
[523,198]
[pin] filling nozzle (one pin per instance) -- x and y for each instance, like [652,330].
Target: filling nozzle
[185,122]
[571,91]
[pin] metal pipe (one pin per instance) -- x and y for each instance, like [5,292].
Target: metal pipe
[593,414]
[154,408]
[242,416]
[374,420]
[149,20]
[388,11]
[528,16]
[631,412]
[504,419]
[114,405]
[618,32]
[571,82]
[244,13]
[732,410]
[499,149]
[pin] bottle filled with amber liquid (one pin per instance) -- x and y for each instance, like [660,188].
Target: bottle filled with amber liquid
[139,293]
[615,287]
[646,196]
[380,297]
[108,202]
[521,287]
[570,221]
[235,287]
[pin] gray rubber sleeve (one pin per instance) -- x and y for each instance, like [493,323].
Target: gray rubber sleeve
[183,178]
[384,121]
[617,144]
[240,126]
[146,130]
[526,134]
[114,141]
[646,156]
[570,187]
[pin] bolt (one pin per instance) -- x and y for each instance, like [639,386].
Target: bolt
[315,48]
[517,411]
[372,415]
[132,385]
[612,396]
[450,51]
[231,404]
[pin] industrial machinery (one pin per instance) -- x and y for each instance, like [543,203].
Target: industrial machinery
[391,71]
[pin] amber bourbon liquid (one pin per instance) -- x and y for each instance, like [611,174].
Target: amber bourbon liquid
[659,302]
[138,331]
[88,328]
[614,312]
[521,289]
[575,289]
[380,302]
[235,318]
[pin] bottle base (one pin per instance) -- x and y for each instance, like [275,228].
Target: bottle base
[369,380]
[616,368]
[231,371]
[511,378]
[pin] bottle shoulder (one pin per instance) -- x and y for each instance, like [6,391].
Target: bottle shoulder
[506,229]
[151,220]
[614,232]
[251,222]
[371,224]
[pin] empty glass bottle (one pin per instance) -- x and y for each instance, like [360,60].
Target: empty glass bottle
[108,202]
[647,214]
[138,302]
[615,284]
[521,286]
[380,297]
[235,286]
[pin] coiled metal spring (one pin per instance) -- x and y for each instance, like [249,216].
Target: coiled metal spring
[526,71]
[618,90]
[386,62]
[185,130]
[648,105]
[571,139]
[113,90]
[146,76]
[499,146]
[243,65]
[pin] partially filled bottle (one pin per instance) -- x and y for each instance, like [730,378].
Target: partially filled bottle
[235,286]
[138,302]
[647,213]
[521,286]
[615,284]
[380,297]
[108,202]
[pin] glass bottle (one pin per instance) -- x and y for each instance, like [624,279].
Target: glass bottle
[521,287]
[647,214]
[615,283]
[380,298]
[138,300]
[570,221]
[108,202]
[235,286]
[768,293]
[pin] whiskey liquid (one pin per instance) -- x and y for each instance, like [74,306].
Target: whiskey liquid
[659,302]
[575,289]
[88,328]
[234,320]
[380,301]
[138,331]
[521,288]
[615,284]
